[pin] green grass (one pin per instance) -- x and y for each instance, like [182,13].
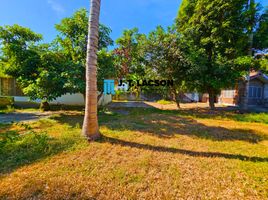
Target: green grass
[165,102]
[9,109]
[253,117]
[145,154]
[218,114]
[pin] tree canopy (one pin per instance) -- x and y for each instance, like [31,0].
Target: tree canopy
[166,58]
[36,67]
[72,42]
[215,32]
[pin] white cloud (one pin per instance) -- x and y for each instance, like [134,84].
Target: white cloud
[57,7]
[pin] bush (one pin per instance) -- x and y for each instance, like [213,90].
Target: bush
[165,102]
[17,150]
[253,117]
[6,101]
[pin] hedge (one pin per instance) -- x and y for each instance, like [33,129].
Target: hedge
[6,101]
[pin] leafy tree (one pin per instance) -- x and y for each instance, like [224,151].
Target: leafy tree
[72,41]
[261,32]
[165,55]
[36,67]
[17,51]
[129,55]
[105,67]
[260,42]
[49,82]
[215,33]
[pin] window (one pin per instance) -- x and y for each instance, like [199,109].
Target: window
[259,93]
[8,87]
[229,93]
[255,92]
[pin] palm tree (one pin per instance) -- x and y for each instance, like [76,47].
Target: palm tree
[90,126]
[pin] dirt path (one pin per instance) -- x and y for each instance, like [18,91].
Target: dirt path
[22,117]
[130,104]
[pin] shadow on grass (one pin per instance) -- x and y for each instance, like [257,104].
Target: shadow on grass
[76,119]
[18,150]
[161,124]
[220,113]
[181,151]
[164,124]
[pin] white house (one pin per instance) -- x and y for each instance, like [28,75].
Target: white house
[8,87]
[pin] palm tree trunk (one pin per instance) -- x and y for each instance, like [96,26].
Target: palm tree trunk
[90,126]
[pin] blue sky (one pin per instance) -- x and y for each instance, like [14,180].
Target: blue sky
[41,15]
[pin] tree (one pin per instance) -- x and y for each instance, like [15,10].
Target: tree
[90,126]
[106,68]
[251,18]
[260,40]
[215,34]
[49,83]
[36,67]
[167,59]
[129,55]
[72,41]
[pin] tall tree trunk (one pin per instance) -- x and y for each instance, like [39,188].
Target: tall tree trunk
[211,99]
[90,126]
[44,106]
[176,97]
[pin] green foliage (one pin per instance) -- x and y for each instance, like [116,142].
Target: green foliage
[166,58]
[16,149]
[72,42]
[215,32]
[106,68]
[25,144]
[36,67]
[261,32]
[6,101]
[49,83]
[129,55]
[253,117]
[264,64]
[73,33]
[47,71]
[164,102]
[18,55]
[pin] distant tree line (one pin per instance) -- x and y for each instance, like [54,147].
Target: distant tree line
[208,48]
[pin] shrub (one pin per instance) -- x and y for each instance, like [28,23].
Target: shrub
[165,102]
[6,101]
[17,150]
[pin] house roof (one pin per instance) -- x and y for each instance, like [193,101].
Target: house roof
[259,75]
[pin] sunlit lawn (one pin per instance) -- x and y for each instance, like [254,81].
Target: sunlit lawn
[143,154]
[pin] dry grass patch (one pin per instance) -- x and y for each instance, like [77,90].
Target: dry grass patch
[147,154]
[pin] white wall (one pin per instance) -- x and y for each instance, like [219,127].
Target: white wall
[104,100]
[193,96]
[69,99]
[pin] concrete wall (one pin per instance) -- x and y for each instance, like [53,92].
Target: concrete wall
[68,99]
[193,96]
[104,100]
[228,100]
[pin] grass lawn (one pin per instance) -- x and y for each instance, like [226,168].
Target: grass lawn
[143,154]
